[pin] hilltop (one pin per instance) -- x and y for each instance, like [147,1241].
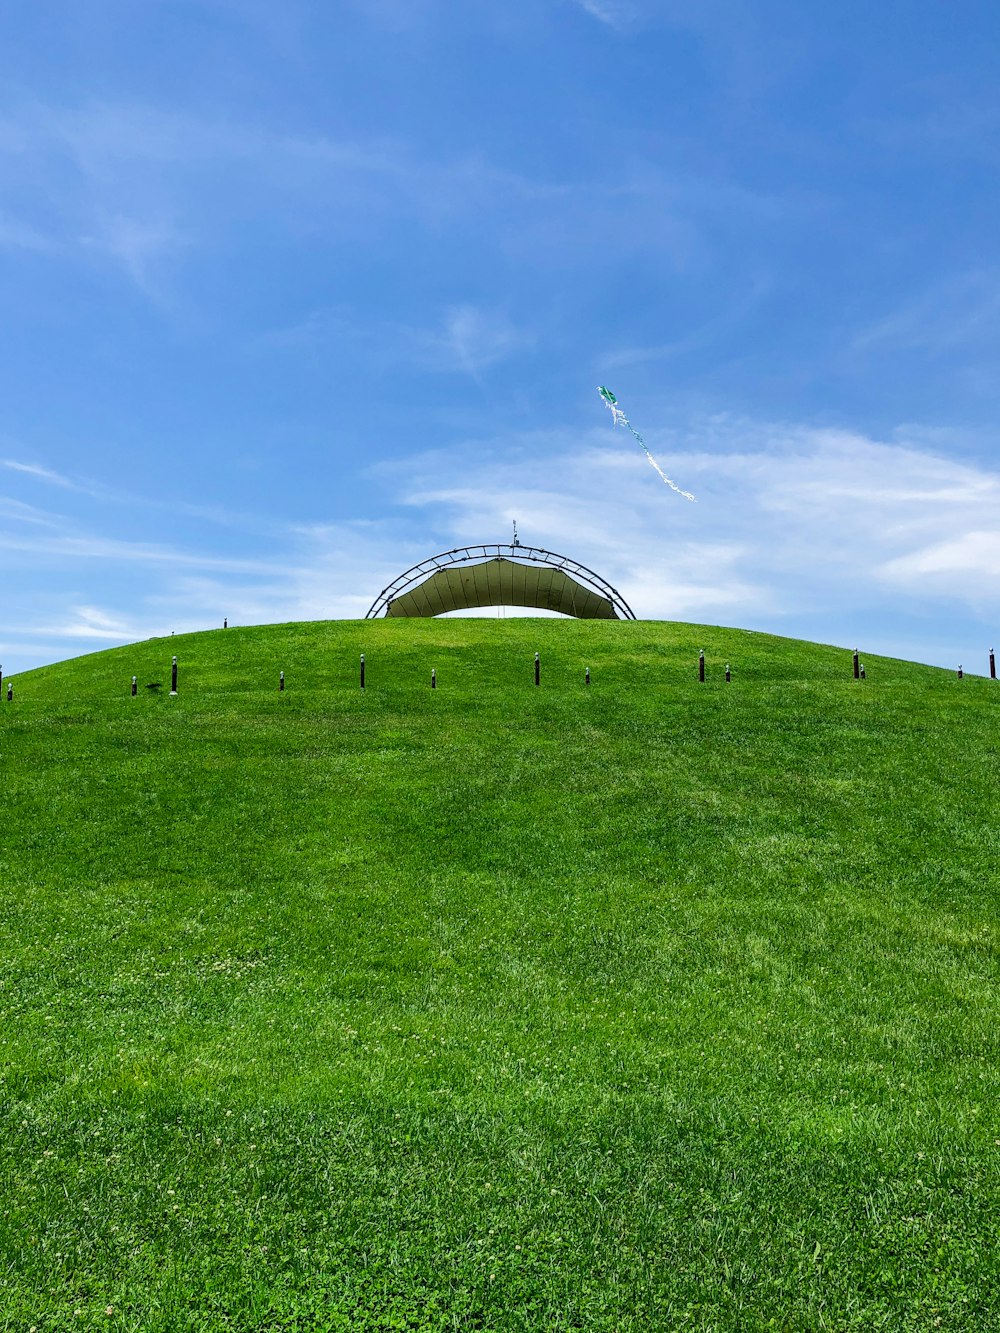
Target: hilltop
[647,1004]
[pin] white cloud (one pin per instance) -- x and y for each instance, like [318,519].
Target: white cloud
[796,531]
[791,522]
[972,556]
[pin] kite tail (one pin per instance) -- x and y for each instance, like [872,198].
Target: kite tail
[672,484]
[622,419]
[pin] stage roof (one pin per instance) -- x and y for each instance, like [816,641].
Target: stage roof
[501,582]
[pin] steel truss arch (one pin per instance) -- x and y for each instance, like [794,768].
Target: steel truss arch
[515,553]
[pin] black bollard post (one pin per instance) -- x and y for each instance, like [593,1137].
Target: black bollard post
[993,665]
[538,670]
[10,690]
[135,687]
[701,665]
[281,680]
[586,676]
[728,674]
[173,677]
[362,671]
[961,673]
[434,679]
[857,669]
[862,669]
[225,622]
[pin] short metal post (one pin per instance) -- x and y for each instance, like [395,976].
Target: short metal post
[225,623]
[857,668]
[281,680]
[728,674]
[701,665]
[538,670]
[135,687]
[10,690]
[993,665]
[862,676]
[586,676]
[961,673]
[362,671]
[173,677]
[434,679]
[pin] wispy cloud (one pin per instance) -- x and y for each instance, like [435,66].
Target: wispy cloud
[138,246]
[703,335]
[210,513]
[40,473]
[473,339]
[958,312]
[615,13]
[140,187]
[16,235]
[135,153]
[90,622]
[92,547]
[463,339]
[940,115]
[26,513]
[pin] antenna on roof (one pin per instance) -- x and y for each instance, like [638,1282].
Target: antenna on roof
[515,542]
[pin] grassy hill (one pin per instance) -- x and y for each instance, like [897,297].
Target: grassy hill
[648,1005]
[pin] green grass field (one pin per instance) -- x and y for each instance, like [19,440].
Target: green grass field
[655,1005]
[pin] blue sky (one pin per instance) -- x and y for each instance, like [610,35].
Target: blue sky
[292,295]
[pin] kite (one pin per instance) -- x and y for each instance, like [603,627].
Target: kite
[620,419]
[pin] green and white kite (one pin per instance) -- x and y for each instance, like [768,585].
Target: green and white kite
[620,419]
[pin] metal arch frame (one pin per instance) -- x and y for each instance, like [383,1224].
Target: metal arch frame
[473,555]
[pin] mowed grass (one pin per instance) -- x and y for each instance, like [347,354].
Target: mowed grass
[653,1005]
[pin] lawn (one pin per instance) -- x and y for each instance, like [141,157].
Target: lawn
[649,1004]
